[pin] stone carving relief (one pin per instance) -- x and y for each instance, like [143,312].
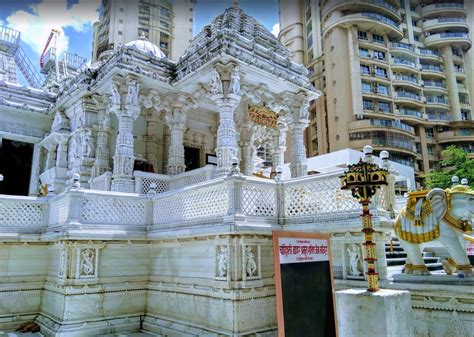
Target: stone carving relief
[235,81]
[132,95]
[355,265]
[216,83]
[88,144]
[63,263]
[151,100]
[115,101]
[250,263]
[60,123]
[87,264]
[222,261]
[456,328]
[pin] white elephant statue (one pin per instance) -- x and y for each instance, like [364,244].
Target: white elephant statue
[443,215]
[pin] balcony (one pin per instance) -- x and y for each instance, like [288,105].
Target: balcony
[372,22]
[445,23]
[432,70]
[430,54]
[442,39]
[398,63]
[408,98]
[392,144]
[440,101]
[379,6]
[439,117]
[406,80]
[434,86]
[409,114]
[455,136]
[446,8]
[373,124]
[403,47]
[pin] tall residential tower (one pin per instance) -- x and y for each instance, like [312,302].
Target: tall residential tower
[397,75]
[168,24]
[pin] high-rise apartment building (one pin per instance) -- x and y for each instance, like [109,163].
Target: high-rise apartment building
[168,24]
[397,75]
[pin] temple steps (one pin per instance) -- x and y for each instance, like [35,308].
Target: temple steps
[396,257]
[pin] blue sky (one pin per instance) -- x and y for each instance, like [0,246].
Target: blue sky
[36,18]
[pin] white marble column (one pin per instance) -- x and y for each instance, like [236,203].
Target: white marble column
[151,143]
[225,92]
[51,156]
[102,151]
[176,120]
[124,158]
[299,121]
[279,146]
[35,170]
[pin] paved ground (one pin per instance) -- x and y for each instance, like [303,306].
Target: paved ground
[124,334]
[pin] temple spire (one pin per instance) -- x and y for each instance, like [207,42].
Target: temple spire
[235,4]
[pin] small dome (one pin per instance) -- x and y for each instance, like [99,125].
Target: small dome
[145,46]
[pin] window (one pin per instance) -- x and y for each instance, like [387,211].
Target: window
[384,107]
[122,10]
[190,19]
[416,38]
[363,52]
[120,21]
[164,24]
[367,104]
[418,147]
[429,147]
[366,87]
[378,38]
[381,72]
[309,28]
[382,89]
[119,32]
[164,12]
[379,55]
[364,69]
[456,51]
[429,132]
[310,41]
[362,35]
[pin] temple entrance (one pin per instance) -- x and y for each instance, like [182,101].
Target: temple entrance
[15,165]
[192,157]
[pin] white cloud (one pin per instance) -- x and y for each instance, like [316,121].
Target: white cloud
[276,29]
[35,26]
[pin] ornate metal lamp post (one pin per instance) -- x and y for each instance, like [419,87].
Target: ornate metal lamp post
[364,179]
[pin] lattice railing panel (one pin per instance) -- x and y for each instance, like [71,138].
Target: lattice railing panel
[21,213]
[319,196]
[259,200]
[161,185]
[58,210]
[98,209]
[203,203]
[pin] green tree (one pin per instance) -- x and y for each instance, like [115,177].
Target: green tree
[456,163]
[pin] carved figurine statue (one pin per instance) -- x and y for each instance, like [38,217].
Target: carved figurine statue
[216,83]
[438,214]
[235,81]
[132,95]
[88,144]
[115,99]
[355,261]
[250,264]
[87,262]
[222,259]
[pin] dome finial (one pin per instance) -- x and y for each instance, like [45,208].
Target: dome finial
[142,36]
[235,4]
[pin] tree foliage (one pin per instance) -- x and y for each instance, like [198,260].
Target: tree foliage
[456,163]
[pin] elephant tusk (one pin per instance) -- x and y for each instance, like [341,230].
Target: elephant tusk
[468,237]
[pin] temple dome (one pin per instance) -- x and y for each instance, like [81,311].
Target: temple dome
[145,46]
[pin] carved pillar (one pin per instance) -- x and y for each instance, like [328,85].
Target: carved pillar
[61,155]
[298,123]
[124,158]
[279,146]
[51,156]
[35,170]
[151,146]
[102,151]
[176,120]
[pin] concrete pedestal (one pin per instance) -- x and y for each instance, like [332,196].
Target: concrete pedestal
[386,313]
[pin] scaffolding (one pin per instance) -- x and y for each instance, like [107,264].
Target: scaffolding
[10,44]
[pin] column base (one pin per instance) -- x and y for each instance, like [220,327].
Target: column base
[385,313]
[123,185]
